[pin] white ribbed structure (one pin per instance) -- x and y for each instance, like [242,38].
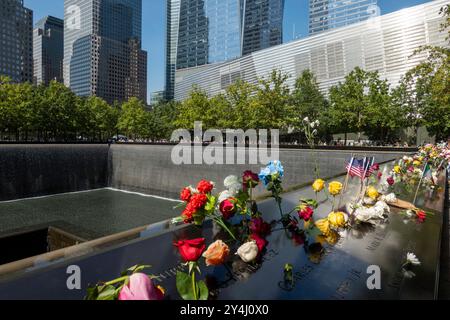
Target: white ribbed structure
[385,44]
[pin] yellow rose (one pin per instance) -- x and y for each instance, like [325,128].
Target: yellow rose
[324,226]
[335,188]
[372,193]
[337,219]
[318,185]
[397,169]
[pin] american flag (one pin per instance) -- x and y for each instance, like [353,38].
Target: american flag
[362,168]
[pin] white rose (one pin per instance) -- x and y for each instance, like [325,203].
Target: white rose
[225,195]
[230,181]
[233,184]
[390,198]
[248,251]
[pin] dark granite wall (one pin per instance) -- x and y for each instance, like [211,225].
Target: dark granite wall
[37,170]
[149,169]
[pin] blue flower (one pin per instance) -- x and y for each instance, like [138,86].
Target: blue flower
[274,168]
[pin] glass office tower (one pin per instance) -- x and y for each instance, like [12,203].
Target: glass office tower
[329,14]
[201,32]
[48,50]
[102,49]
[16,41]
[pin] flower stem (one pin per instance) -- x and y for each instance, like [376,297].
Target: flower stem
[194,285]
[224,226]
[116,281]
[279,206]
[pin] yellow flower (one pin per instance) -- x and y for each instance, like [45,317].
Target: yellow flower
[318,185]
[335,188]
[337,219]
[324,226]
[417,163]
[372,193]
[397,169]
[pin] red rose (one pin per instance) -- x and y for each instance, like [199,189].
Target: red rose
[260,242]
[380,175]
[260,227]
[198,201]
[298,239]
[390,181]
[191,250]
[376,167]
[228,208]
[250,179]
[185,195]
[205,187]
[306,214]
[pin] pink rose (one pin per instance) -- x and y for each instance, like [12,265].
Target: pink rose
[140,287]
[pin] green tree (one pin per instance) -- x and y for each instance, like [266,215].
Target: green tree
[162,120]
[134,120]
[424,91]
[272,108]
[57,117]
[307,99]
[196,107]
[363,103]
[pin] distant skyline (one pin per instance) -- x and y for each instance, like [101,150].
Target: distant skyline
[153,27]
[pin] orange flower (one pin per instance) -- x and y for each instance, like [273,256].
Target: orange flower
[216,253]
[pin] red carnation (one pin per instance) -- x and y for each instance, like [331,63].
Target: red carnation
[260,242]
[186,194]
[191,250]
[198,201]
[205,187]
[306,214]
[188,214]
[260,227]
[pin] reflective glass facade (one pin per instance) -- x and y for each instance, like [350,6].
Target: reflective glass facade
[330,14]
[48,50]
[201,32]
[102,49]
[386,45]
[16,41]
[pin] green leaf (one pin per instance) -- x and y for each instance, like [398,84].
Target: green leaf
[184,286]
[204,292]
[107,293]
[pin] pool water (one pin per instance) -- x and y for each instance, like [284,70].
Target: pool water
[89,215]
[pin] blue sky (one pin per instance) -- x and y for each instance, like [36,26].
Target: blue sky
[153,28]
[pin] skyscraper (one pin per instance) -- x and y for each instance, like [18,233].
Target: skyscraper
[201,32]
[330,14]
[102,49]
[16,41]
[48,50]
